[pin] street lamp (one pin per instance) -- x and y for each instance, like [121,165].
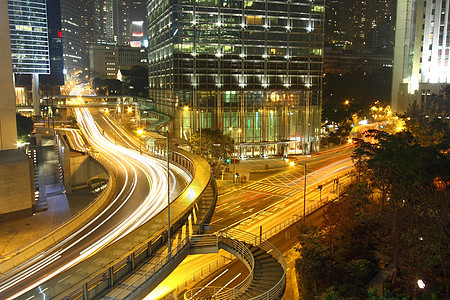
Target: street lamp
[169,243]
[304,198]
[140,132]
[319,187]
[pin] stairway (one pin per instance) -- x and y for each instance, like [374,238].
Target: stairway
[266,274]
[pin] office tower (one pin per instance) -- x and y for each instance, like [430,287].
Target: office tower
[55,35]
[111,22]
[360,25]
[138,17]
[107,60]
[250,68]
[421,56]
[16,184]
[71,21]
[29,41]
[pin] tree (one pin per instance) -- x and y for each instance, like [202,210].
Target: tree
[214,146]
[136,80]
[313,266]
[414,206]
[25,126]
[107,86]
[213,143]
[427,123]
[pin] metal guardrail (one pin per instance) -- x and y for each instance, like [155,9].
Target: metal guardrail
[41,244]
[220,262]
[193,241]
[97,282]
[106,278]
[233,293]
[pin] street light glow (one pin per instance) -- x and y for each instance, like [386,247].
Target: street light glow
[421,284]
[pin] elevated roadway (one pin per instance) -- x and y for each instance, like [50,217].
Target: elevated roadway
[140,193]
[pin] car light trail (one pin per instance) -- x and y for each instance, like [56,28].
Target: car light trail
[153,175]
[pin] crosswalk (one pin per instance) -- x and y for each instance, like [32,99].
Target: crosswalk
[271,189]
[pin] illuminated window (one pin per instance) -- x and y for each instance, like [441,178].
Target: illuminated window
[253,20]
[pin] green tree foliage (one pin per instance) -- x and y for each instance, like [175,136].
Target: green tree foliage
[398,212]
[373,295]
[411,226]
[213,143]
[107,86]
[214,146]
[136,81]
[25,126]
[428,123]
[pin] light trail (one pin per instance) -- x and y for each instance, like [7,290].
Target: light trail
[130,162]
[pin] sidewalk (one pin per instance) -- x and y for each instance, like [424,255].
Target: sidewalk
[53,208]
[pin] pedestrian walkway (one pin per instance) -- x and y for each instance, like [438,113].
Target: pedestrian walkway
[271,189]
[53,207]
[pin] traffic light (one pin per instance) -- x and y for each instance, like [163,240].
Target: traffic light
[236,175]
[319,187]
[227,160]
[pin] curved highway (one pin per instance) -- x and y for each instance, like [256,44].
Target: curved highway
[141,194]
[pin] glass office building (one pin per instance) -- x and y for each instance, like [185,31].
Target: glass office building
[250,68]
[29,36]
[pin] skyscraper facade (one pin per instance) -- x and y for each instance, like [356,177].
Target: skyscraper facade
[111,22]
[71,22]
[250,68]
[360,25]
[29,36]
[56,76]
[421,56]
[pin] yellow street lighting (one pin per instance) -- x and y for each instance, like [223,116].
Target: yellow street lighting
[239,130]
[231,128]
[186,108]
[140,132]
[130,109]
[347,102]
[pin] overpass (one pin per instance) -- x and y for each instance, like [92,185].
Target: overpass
[104,272]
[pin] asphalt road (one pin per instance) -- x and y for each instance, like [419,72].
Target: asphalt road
[268,203]
[141,194]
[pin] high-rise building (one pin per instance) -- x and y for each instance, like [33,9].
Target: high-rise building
[107,60]
[56,76]
[360,25]
[421,56]
[29,41]
[29,36]
[71,21]
[250,68]
[111,22]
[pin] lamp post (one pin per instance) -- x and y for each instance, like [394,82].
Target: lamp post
[319,187]
[140,132]
[201,112]
[169,243]
[304,199]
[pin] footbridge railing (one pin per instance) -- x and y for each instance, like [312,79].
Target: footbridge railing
[103,271]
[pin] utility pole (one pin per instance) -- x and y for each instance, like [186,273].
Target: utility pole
[169,245]
[304,199]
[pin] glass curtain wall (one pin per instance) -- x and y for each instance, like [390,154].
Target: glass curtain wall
[250,68]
